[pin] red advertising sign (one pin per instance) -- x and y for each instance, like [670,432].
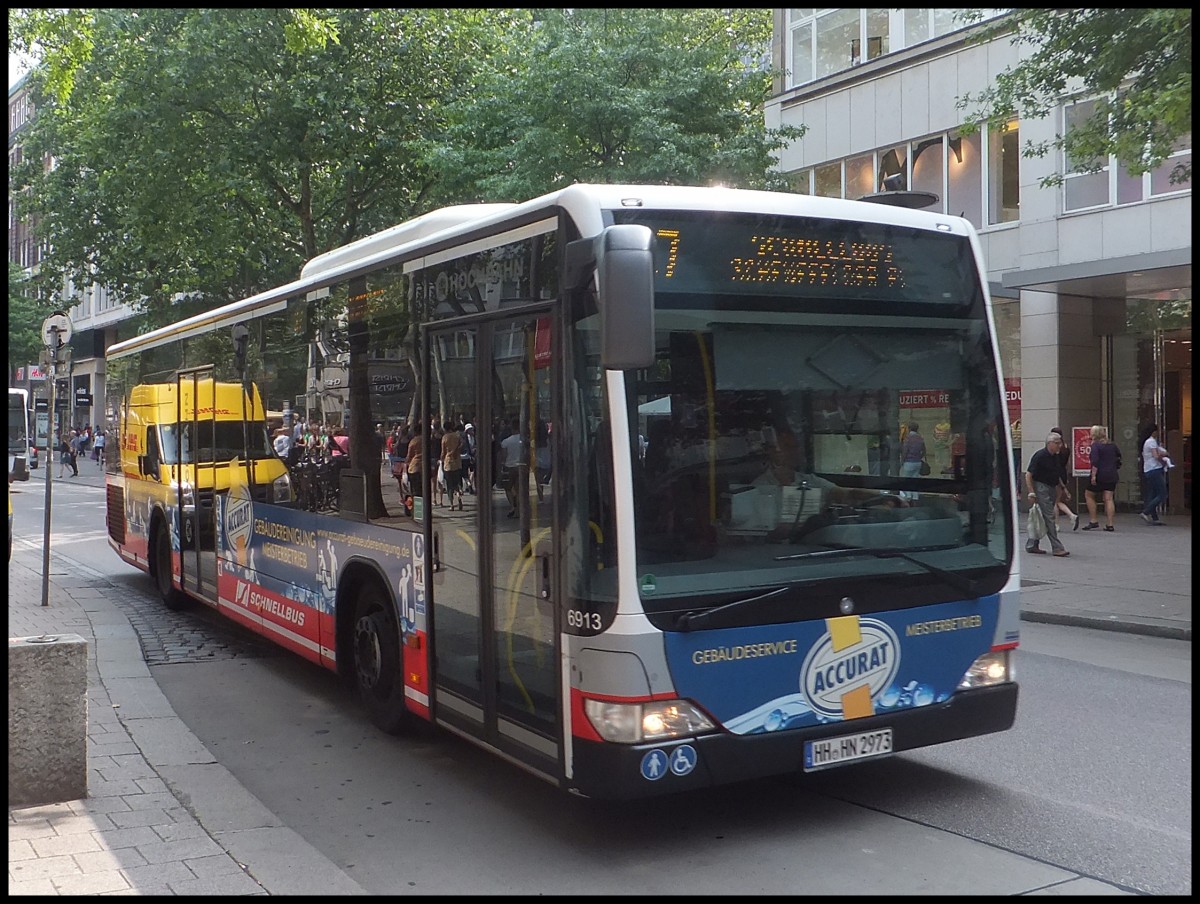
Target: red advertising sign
[933,398]
[541,343]
[1012,398]
[1081,451]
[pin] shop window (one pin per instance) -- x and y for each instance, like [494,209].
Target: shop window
[928,166]
[964,185]
[800,183]
[860,176]
[828,180]
[893,169]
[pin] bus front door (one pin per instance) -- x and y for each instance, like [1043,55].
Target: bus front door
[197,462]
[497,672]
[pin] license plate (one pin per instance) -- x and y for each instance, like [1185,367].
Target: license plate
[844,749]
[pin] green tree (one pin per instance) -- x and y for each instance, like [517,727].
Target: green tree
[628,95]
[26,311]
[212,152]
[1137,63]
[206,154]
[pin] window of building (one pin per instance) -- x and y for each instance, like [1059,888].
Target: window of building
[928,166]
[837,32]
[828,180]
[822,42]
[1004,174]
[801,38]
[1130,188]
[1160,178]
[1082,190]
[801,182]
[947,165]
[860,176]
[1114,180]
[893,169]
[964,178]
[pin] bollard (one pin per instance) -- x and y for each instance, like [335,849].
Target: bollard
[47,719]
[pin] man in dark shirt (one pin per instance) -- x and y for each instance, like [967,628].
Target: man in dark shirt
[1042,478]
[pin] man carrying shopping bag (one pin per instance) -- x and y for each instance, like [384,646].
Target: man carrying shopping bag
[1042,479]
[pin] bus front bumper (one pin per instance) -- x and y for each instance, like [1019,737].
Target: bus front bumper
[618,772]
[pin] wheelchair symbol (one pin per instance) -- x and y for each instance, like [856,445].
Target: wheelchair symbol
[683,759]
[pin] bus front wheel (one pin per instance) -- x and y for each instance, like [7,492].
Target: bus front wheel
[377,665]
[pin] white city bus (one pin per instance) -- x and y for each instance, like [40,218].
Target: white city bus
[20,458]
[694,555]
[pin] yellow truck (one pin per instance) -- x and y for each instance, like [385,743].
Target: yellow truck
[183,444]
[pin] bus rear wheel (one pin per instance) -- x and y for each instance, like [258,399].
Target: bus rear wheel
[171,597]
[377,662]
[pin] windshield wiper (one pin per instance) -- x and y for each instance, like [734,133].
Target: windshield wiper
[957,581]
[697,619]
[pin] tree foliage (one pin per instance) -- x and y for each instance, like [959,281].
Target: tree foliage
[1137,64]
[629,95]
[26,311]
[200,155]
[206,154]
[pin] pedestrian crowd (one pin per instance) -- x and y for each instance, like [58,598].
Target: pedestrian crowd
[79,442]
[1046,483]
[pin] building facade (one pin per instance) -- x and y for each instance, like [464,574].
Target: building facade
[1092,280]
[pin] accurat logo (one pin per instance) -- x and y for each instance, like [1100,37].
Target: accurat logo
[831,671]
[239,520]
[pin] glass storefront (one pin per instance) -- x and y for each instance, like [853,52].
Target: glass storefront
[1150,382]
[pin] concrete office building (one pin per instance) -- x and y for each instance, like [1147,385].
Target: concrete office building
[1092,279]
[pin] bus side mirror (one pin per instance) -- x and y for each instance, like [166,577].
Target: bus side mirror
[148,464]
[625,278]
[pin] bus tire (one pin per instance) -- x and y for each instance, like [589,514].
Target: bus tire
[172,598]
[378,670]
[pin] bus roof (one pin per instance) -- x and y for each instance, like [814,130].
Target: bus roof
[587,204]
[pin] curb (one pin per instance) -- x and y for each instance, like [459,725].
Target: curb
[1109,623]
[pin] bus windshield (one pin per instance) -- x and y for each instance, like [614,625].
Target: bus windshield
[823,406]
[18,435]
[18,422]
[228,443]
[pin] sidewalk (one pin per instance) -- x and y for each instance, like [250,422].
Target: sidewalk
[1137,579]
[163,817]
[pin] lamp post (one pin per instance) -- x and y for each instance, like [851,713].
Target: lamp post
[56,333]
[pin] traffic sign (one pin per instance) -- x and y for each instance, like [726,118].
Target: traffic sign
[56,330]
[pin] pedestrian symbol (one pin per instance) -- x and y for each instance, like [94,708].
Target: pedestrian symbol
[654,765]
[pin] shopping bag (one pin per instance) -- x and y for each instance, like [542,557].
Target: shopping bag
[1037,523]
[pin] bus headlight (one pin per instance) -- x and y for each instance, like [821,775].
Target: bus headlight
[990,669]
[654,720]
[281,489]
[187,496]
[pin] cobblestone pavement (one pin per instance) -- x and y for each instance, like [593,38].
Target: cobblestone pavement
[194,634]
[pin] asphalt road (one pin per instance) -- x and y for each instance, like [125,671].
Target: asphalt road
[1095,778]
